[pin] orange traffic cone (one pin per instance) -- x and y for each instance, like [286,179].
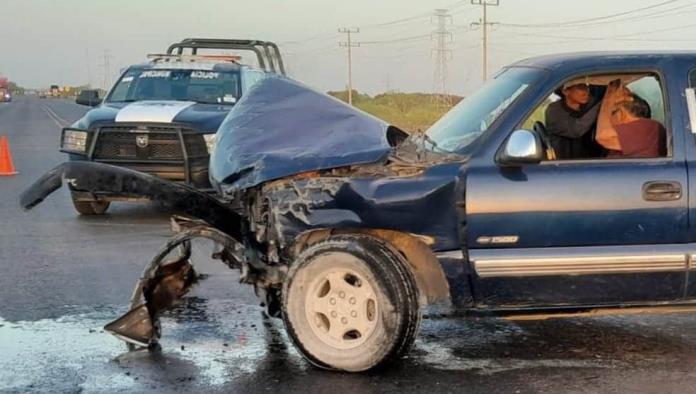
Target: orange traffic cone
[6,166]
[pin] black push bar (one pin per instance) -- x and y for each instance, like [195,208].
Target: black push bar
[267,52]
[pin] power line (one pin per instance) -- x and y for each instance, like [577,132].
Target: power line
[320,36]
[414,17]
[680,11]
[396,22]
[593,19]
[349,44]
[395,40]
[617,37]
[634,18]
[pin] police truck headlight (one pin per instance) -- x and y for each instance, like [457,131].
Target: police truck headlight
[74,141]
[210,140]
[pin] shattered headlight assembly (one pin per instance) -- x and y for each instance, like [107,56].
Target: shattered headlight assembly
[74,141]
[210,140]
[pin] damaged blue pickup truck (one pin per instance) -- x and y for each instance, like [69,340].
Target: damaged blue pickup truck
[349,229]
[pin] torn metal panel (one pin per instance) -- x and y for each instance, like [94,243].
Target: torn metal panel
[282,127]
[105,179]
[166,280]
[423,204]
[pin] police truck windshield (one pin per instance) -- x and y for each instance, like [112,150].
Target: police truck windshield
[202,86]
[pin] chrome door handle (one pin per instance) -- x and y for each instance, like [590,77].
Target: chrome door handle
[662,191]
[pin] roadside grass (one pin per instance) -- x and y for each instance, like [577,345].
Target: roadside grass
[408,111]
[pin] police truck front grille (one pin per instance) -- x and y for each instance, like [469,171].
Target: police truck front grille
[119,143]
[154,149]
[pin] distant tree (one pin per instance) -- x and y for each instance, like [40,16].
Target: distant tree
[343,96]
[16,88]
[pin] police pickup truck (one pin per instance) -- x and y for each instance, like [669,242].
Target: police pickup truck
[348,232]
[161,117]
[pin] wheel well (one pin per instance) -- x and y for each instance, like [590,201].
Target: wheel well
[430,278]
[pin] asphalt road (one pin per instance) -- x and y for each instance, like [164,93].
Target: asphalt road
[62,277]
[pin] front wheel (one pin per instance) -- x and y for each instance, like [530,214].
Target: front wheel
[90,207]
[351,303]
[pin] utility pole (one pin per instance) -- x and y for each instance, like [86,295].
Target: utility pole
[441,37]
[484,26]
[349,44]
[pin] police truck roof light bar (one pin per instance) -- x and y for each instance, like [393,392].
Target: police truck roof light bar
[157,57]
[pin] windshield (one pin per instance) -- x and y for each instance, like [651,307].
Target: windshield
[464,123]
[202,86]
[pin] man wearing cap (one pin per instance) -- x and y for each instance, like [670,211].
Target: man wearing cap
[570,121]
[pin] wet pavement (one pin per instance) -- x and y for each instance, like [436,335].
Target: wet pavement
[63,277]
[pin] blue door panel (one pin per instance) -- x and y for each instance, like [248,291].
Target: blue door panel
[575,204]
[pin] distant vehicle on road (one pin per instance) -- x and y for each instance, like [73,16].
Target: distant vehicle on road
[5,94]
[161,117]
[88,97]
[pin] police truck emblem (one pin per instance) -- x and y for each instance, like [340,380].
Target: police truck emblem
[141,141]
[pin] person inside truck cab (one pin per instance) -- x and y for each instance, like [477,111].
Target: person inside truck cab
[570,122]
[625,127]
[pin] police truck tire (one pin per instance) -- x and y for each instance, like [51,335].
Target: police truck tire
[351,303]
[90,207]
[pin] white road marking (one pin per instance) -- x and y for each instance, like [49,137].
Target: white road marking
[55,117]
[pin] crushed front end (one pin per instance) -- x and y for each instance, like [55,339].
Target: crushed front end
[291,167]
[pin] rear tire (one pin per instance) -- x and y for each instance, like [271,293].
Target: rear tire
[90,207]
[351,303]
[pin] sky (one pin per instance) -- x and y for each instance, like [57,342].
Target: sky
[68,42]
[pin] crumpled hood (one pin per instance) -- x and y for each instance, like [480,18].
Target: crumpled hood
[200,117]
[282,127]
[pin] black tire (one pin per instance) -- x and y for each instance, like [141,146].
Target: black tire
[90,207]
[368,266]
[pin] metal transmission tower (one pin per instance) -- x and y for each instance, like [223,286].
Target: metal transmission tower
[89,69]
[441,37]
[484,23]
[349,44]
[107,68]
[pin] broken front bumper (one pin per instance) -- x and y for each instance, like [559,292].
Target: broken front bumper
[105,179]
[166,280]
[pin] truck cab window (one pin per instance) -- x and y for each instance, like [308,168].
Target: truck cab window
[603,117]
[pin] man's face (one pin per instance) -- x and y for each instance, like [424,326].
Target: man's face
[619,115]
[579,93]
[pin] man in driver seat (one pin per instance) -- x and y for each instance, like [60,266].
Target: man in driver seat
[569,121]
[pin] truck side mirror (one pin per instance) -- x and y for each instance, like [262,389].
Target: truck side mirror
[89,98]
[522,147]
